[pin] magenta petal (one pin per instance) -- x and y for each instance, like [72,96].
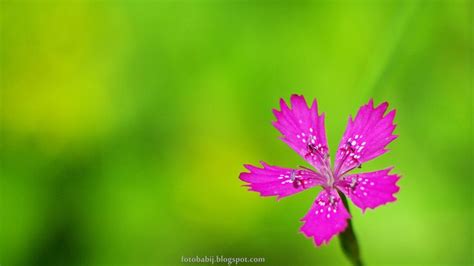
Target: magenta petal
[365,137]
[370,190]
[279,181]
[326,218]
[303,130]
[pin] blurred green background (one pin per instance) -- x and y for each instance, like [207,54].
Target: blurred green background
[124,127]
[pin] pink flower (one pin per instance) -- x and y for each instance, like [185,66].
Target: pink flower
[365,138]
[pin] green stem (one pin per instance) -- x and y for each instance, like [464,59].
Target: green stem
[348,240]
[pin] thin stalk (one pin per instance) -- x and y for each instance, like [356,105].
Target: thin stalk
[348,240]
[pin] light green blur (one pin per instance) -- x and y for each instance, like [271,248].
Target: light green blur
[125,125]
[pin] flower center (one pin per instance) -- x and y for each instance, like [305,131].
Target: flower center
[320,153]
[330,178]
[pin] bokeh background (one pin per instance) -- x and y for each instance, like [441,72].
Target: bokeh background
[125,124]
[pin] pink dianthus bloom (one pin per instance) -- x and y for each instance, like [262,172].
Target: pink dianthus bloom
[365,138]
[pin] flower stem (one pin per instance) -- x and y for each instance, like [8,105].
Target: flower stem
[348,240]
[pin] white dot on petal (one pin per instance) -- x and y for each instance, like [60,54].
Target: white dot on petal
[328,215]
[298,136]
[371,183]
[363,143]
[365,193]
[317,212]
[311,129]
[302,134]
